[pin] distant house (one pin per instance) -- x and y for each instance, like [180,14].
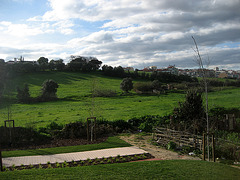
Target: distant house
[128,68]
[170,69]
[223,75]
[150,68]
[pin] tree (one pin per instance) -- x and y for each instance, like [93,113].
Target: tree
[43,63]
[49,90]
[85,64]
[59,65]
[56,65]
[95,64]
[190,114]
[126,84]
[23,95]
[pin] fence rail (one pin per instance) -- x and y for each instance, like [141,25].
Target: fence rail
[164,135]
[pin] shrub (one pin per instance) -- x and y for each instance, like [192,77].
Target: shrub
[121,125]
[54,126]
[126,84]
[227,151]
[146,126]
[104,93]
[73,130]
[22,136]
[171,145]
[143,87]
[49,90]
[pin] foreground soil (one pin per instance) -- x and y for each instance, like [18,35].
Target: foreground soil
[144,142]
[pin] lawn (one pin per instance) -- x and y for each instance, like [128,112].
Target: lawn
[112,142]
[167,169]
[76,104]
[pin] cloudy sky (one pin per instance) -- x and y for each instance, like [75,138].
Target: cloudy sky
[135,33]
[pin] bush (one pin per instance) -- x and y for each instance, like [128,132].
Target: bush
[121,125]
[227,151]
[21,136]
[146,126]
[104,93]
[73,130]
[143,87]
[171,145]
[49,90]
[126,84]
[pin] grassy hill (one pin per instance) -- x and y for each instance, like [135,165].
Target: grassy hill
[75,102]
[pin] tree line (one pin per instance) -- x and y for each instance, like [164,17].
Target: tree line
[160,76]
[77,63]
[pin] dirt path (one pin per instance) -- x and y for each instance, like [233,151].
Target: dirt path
[143,142]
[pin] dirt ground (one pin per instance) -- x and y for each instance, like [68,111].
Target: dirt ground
[144,142]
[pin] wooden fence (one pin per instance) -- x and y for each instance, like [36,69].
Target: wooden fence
[163,135]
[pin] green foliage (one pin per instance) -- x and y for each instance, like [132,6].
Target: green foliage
[190,113]
[228,151]
[49,90]
[84,64]
[146,126]
[147,87]
[230,136]
[148,122]
[54,126]
[126,84]
[143,87]
[171,145]
[21,136]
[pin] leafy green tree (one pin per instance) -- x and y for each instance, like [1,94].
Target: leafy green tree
[191,114]
[49,90]
[126,85]
[85,64]
[43,63]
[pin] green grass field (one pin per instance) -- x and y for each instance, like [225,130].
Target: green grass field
[76,103]
[168,169]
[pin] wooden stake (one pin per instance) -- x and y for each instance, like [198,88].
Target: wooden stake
[1,164]
[213,148]
[87,129]
[203,147]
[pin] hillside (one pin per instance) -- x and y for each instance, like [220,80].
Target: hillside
[76,103]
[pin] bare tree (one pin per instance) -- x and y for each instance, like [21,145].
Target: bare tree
[203,70]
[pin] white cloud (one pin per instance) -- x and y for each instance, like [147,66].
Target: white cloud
[139,32]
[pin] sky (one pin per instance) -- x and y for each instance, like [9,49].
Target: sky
[135,33]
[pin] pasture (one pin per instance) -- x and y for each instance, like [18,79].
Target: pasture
[76,103]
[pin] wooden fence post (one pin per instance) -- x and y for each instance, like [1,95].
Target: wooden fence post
[87,129]
[1,164]
[95,126]
[203,146]
[213,148]
[91,131]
